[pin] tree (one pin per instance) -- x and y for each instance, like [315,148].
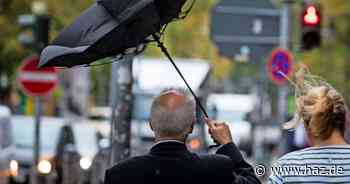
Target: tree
[10,52]
[186,39]
[189,38]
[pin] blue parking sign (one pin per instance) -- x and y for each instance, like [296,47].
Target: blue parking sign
[280,66]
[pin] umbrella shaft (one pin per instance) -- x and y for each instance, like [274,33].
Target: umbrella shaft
[165,51]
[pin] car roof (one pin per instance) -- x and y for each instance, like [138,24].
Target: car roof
[147,71]
[84,126]
[44,120]
[232,102]
[4,111]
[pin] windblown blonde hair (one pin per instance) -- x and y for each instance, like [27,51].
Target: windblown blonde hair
[319,106]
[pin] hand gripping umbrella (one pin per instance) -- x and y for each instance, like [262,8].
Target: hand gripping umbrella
[115,28]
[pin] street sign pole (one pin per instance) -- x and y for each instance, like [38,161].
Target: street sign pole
[258,151]
[248,30]
[36,82]
[285,44]
[37,130]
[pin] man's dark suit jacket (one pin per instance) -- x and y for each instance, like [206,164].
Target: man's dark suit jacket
[172,163]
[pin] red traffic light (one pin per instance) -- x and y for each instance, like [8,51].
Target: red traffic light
[311,26]
[311,16]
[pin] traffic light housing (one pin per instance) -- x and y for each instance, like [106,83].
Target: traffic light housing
[34,31]
[311,21]
[42,30]
[26,36]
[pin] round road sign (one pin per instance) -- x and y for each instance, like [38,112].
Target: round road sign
[280,66]
[35,81]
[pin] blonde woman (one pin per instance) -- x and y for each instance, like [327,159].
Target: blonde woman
[322,110]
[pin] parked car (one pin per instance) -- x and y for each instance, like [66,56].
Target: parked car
[76,150]
[86,141]
[8,167]
[99,117]
[234,109]
[101,163]
[23,136]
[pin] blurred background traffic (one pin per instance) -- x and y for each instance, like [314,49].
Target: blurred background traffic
[230,51]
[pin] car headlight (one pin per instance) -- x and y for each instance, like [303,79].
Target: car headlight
[44,167]
[85,163]
[13,167]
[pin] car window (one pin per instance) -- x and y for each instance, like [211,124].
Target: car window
[24,134]
[49,135]
[231,116]
[85,139]
[5,133]
[98,117]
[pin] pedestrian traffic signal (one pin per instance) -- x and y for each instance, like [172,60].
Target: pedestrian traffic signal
[311,26]
[26,36]
[42,30]
[311,17]
[34,31]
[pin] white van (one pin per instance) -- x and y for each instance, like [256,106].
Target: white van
[233,108]
[6,146]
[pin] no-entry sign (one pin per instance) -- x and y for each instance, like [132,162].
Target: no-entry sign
[35,81]
[280,66]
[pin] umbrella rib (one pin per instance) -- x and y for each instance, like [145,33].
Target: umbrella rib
[165,51]
[184,14]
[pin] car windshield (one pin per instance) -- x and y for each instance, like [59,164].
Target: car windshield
[98,117]
[5,134]
[24,134]
[231,116]
[85,137]
[141,109]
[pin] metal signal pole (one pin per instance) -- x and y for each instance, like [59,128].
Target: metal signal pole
[285,43]
[121,98]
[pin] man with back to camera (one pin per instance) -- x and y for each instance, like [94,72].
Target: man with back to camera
[169,161]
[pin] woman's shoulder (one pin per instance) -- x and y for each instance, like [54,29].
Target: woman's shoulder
[290,156]
[331,149]
[316,153]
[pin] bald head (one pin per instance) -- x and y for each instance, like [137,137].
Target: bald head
[171,100]
[172,114]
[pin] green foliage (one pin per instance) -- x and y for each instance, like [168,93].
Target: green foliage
[11,52]
[189,38]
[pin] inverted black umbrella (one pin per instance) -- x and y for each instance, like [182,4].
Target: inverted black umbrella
[110,28]
[115,28]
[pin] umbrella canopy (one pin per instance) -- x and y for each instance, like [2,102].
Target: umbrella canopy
[110,28]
